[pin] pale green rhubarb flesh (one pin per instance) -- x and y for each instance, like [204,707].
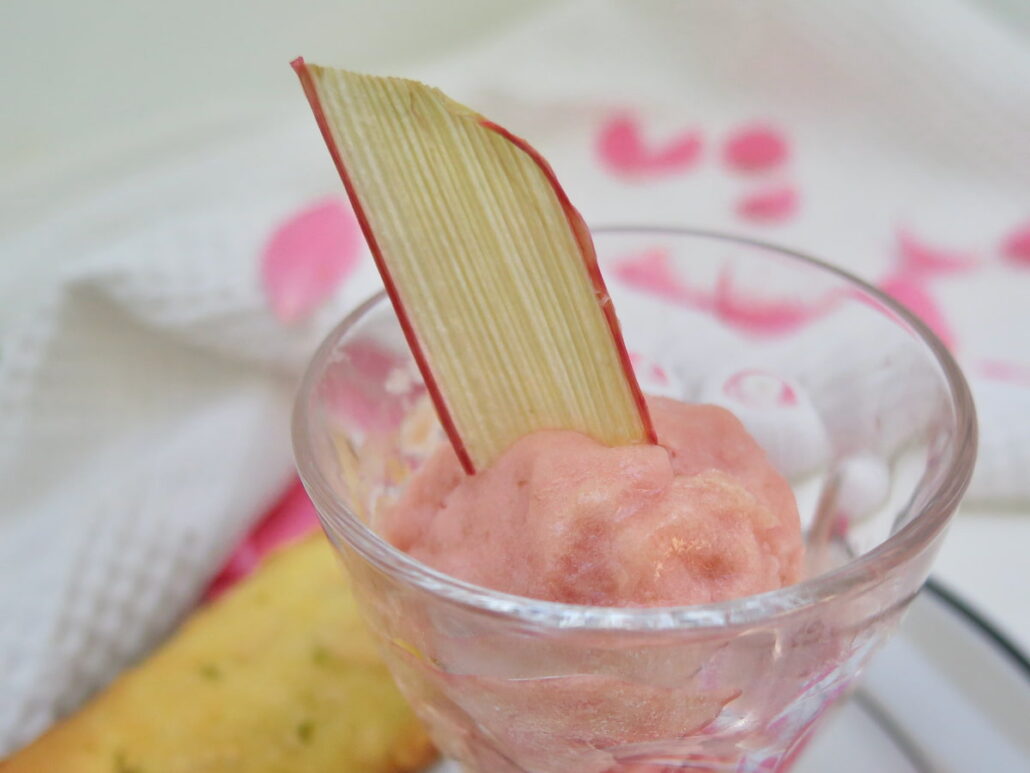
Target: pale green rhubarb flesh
[490,269]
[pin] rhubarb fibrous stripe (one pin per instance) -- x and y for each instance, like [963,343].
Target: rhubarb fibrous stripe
[491,270]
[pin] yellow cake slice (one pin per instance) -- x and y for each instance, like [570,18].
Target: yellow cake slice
[277,676]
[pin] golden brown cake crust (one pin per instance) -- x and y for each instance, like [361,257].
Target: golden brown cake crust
[278,676]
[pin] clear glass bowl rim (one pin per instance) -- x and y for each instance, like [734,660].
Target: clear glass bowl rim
[956,468]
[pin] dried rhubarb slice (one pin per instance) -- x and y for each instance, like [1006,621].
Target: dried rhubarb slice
[490,269]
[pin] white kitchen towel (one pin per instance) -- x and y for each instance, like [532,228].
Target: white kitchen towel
[144,399]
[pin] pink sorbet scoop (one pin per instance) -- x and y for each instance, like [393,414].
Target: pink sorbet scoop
[701,517]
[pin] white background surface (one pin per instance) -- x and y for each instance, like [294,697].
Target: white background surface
[93,91]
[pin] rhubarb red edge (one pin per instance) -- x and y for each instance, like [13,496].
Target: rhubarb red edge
[311,92]
[589,254]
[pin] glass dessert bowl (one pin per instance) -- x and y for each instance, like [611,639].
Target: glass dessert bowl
[853,400]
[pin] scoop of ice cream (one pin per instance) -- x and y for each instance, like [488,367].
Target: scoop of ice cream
[701,517]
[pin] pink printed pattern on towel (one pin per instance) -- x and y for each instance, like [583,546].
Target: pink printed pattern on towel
[652,271]
[769,205]
[755,148]
[1016,246]
[308,257]
[622,150]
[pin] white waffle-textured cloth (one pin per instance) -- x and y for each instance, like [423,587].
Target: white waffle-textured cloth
[144,399]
